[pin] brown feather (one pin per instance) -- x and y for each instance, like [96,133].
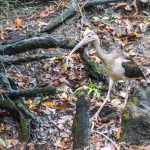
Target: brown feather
[132,70]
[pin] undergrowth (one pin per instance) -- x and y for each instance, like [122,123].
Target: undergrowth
[7,5]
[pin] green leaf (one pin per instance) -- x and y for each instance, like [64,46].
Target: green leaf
[95,18]
[2,142]
[105,18]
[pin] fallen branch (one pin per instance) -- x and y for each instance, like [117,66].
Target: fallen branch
[92,68]
[99,2]
[63,16]
[32,92]
[70,11]
[47,41]
[31,58]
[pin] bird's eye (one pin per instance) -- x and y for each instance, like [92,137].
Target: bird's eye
[89,36]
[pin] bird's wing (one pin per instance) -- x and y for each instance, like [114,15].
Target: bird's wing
[132,70]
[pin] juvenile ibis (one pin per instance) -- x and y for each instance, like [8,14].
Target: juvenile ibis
[116,65]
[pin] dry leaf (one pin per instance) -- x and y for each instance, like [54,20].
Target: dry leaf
[122,94]
[62,4]
[115,102]
[129,37]
[21,84]
[48,104]
[30,103]
[18,22]
[120,5]
[118,134]
[2,37]
[64,95]
[64,80]
[141,147]
[64,67]
[60,107]
[46,12]
[60,143]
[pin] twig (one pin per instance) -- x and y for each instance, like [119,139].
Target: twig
[106,138]
[67,131]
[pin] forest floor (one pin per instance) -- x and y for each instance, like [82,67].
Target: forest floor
[118,29]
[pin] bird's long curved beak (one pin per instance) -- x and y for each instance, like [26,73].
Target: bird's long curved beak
[84,41]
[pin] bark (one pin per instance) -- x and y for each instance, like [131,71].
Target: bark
[93,68]
[62,15]
[81,124]
[31,58]
[47,41]
[33,92]
[136,118]
[100,2]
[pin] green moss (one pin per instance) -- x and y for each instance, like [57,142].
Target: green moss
[125,115]
[94,65]
[68,42]
[131,101]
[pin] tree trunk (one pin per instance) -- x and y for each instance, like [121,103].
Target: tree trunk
[81,124]
[136,118]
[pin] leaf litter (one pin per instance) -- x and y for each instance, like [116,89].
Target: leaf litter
[55,114]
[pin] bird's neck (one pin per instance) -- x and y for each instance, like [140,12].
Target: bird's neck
[99,51]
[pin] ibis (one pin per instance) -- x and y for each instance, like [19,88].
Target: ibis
[117,66]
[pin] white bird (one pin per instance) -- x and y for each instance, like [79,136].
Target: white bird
[116,65]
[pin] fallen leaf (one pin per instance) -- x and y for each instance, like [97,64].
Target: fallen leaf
[141,147]
[118,134]
[18,22]
[2,143]
[64,95]
[60,107]
[48,104]
[115,102]
[64,80]
[64,67]
[21,84]
[30,104]
[129,37]
[46,12]
[120,5]
[2,37]
[144,1]
[60,143]
[123,94]
[61,4]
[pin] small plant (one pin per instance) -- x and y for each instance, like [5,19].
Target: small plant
[91,87]
[94,65]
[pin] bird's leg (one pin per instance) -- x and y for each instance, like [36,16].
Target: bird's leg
[106,99]
[127,94]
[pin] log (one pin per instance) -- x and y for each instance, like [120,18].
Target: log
[48,41]
[4,82]
[81,123]
[92,68]
[100,2]
[136,118]
[32,92]
[62,15]
[31,58]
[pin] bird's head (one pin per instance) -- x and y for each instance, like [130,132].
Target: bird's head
[88,36]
